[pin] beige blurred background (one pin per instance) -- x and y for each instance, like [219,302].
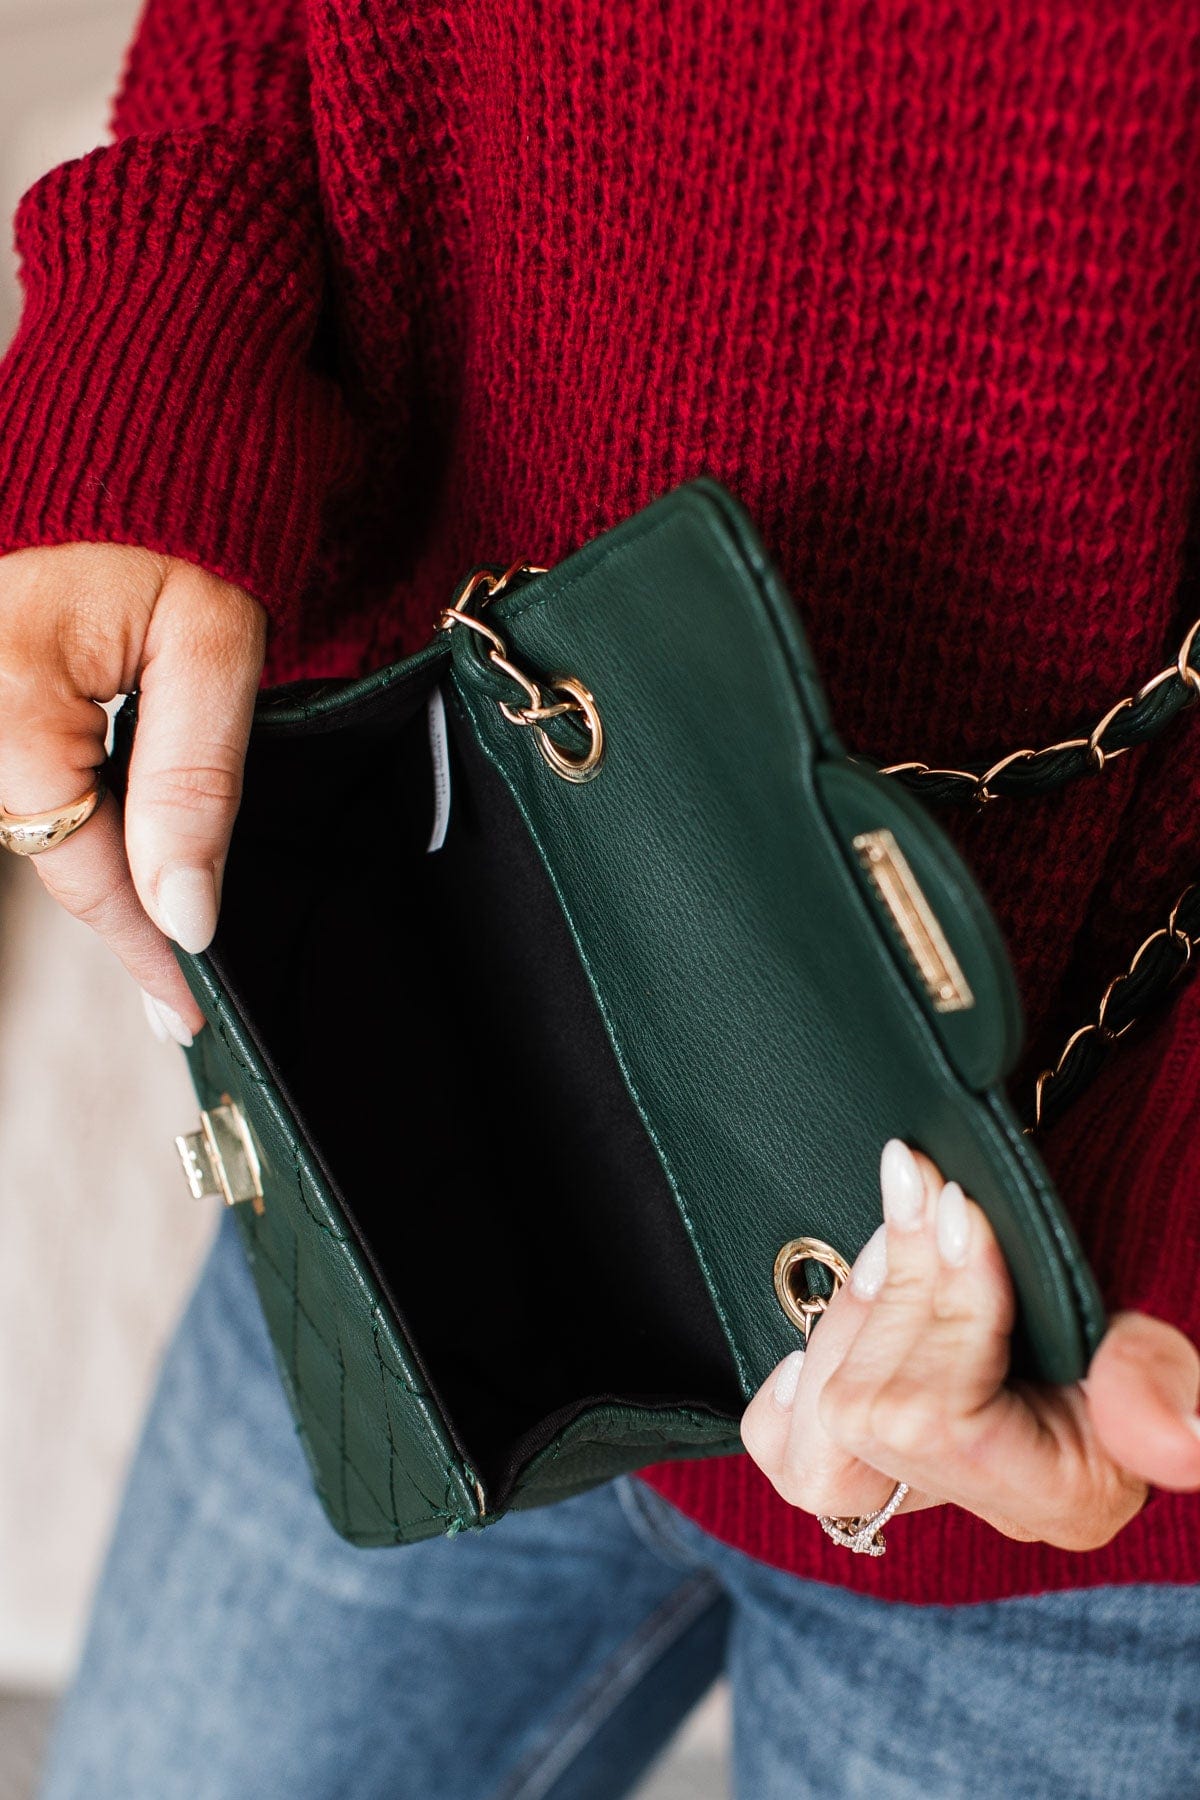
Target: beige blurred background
[98,1237]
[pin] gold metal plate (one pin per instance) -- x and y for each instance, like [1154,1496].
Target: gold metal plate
[221,1158]
[915,920]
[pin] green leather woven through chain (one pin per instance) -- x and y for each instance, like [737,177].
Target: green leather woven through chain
[1135,719]
[1164,957]
[1133,997]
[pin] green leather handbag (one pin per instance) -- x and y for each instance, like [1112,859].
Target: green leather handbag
[550,1140]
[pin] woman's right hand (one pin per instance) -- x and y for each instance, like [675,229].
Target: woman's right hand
[79,624]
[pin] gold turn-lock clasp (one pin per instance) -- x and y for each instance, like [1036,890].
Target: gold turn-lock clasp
[221,1158]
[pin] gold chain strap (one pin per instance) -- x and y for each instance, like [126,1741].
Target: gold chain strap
[979,786]
[1099,1031]
[537,711]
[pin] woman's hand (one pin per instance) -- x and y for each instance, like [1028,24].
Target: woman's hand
[906,1380]
[82,623]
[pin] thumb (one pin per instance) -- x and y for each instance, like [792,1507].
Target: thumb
[200,671]
[1142,1389]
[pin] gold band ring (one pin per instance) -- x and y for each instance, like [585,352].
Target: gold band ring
[865,1536]
[28,834]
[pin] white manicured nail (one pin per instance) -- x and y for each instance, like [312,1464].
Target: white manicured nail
[870,1269]
[953,1225]
[902,1186]
[787,1379]
[1193,1424]
[187,906]
[155,1019]
[165,1022]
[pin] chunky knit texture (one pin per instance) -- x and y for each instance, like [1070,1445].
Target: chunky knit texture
[363,294]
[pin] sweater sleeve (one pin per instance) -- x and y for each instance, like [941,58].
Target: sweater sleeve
[162,387]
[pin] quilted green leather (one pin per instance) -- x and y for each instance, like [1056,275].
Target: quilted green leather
[768,1025]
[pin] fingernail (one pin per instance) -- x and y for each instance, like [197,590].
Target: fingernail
[1193,1424]
[165,1022]
[953,1225]
[787,1379]
[903,1186]
[187,906]
[870,1268]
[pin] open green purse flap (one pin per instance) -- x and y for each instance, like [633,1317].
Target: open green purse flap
[766,1015]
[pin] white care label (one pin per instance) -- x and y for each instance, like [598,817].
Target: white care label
[439,746]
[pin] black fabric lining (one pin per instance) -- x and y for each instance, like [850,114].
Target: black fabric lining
[433,1027]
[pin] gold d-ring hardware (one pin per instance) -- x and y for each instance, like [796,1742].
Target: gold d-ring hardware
[537,710]
[802,1308]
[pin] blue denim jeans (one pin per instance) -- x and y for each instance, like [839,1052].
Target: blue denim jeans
[241,1651]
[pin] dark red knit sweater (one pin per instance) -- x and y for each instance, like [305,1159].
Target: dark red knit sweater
[365,293]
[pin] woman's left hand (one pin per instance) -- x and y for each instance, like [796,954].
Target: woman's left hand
[906,1379]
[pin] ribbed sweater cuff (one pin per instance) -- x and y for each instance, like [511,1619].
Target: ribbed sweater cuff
[159,390]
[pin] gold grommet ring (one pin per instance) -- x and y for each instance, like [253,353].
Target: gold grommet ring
[29,834]
[574,768]
[801,1307]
